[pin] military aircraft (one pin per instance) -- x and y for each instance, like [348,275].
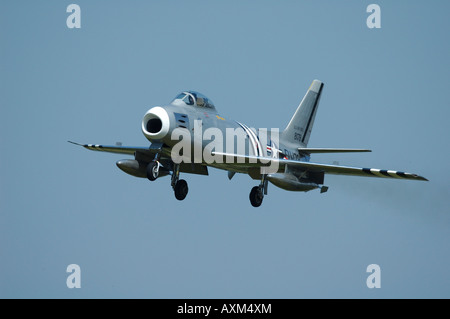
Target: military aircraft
[284,160]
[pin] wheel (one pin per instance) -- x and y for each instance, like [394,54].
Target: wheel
[256,196]
[152,171]
[181,189]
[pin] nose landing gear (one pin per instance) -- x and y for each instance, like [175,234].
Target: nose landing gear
[179,186]
[181,189]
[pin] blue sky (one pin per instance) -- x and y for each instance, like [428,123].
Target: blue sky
[385,89]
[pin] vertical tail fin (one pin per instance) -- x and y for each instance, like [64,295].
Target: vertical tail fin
[297,132]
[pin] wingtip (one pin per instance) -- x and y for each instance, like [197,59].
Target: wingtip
[420,178]
[75,143]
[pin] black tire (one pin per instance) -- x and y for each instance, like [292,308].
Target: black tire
[256,197]
[181,189]
[152,171]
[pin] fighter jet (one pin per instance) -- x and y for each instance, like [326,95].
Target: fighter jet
[281,158]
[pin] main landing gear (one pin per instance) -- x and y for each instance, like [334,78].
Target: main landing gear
[153,170]
[179,186]
[257,193]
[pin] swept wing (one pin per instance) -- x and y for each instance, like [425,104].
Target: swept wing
[249,161]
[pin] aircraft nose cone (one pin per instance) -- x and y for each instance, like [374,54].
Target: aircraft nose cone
[156,123]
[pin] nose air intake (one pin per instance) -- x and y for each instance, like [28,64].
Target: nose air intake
[156,124]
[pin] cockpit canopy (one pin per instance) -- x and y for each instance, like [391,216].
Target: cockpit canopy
[195,99]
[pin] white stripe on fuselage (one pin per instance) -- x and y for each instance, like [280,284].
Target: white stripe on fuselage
[257,148]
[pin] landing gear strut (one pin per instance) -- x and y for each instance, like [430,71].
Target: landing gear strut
[179,186]
[257,193]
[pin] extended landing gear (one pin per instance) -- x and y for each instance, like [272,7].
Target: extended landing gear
[257,193]
[181,189]
[180,186]
[256,196]
[153,170]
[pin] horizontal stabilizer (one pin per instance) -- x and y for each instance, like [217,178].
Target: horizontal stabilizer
[330,150]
